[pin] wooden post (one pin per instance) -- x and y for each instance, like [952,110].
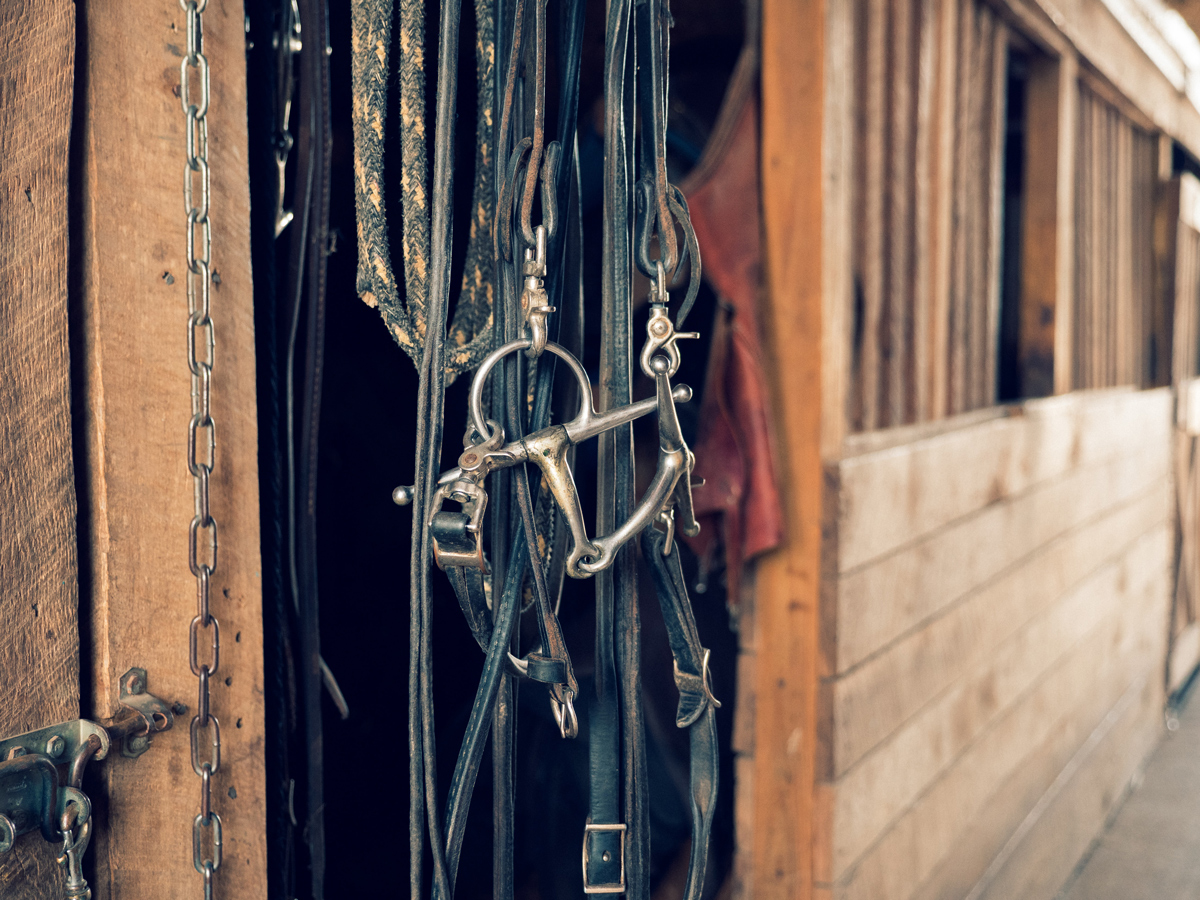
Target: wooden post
[806,167]
[39,624]
[135,395]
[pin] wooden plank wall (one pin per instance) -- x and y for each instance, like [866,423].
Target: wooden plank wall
[39,600]
[928,151]
[992,618]
[1115,181]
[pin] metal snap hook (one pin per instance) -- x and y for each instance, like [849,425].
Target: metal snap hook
[660,330]
[534,301]
[565,718]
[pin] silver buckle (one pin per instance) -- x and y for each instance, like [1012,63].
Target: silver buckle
[609,887]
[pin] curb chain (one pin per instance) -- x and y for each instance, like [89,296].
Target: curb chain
[202,546]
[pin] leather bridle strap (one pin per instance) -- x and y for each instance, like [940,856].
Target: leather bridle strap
[696,701]
[430,414]
[616,838]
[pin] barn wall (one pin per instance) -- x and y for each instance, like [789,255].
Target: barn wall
[994,604]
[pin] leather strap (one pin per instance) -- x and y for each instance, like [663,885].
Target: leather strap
[696,702]
[306,295]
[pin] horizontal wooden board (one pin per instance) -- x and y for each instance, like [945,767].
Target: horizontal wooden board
[1019,805]
[881,602]
[874,699]
[893,497]
[873,793]
[1095,672]
[1043,860]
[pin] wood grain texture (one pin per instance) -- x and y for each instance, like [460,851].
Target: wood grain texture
[877,698]
[136,386]
[1081,805]
[876,790]
[929,129]
[1063,700]
[923,216]
[894,496]
[920,581]
[943,207]
[1113,338]
[806,50]
[997,587]
[1088,30]
[986,846]
[39,625]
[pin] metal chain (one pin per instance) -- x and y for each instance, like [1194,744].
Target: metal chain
[202,545]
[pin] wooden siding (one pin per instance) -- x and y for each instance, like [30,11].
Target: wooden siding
[1114,246]
[993,616]
[928,148]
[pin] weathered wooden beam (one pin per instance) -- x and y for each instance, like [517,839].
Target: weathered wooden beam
[807,53]
[136,402]
[39,624]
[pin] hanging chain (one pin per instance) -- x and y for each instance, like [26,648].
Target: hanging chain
[202,548]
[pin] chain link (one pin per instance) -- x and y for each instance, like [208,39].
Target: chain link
[202,437]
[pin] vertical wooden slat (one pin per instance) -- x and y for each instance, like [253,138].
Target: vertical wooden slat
[964,165]
[945,147]
[995,212]
[1064,270]
[976,212]
[1185,291]
[872,225]
[1123,241]
[803,58]
[1108,253]
[1082,230]
[896,331]
[924,238]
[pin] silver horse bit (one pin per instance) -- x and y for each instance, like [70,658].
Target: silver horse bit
[670,491]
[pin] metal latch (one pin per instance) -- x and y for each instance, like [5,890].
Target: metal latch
[34,798]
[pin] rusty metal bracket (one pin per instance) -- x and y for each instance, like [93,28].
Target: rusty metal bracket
[143,714]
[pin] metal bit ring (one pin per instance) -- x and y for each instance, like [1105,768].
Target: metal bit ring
[477,383]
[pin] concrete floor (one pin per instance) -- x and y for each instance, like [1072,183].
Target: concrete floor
[1151,847]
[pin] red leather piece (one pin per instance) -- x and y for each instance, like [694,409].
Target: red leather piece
[734,447]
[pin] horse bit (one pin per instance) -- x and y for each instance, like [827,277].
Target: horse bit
[669,495]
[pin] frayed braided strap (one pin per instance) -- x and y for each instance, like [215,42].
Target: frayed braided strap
[470,333]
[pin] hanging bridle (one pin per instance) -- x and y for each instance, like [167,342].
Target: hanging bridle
[517,354]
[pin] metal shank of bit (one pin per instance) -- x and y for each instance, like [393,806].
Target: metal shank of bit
[547,449]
